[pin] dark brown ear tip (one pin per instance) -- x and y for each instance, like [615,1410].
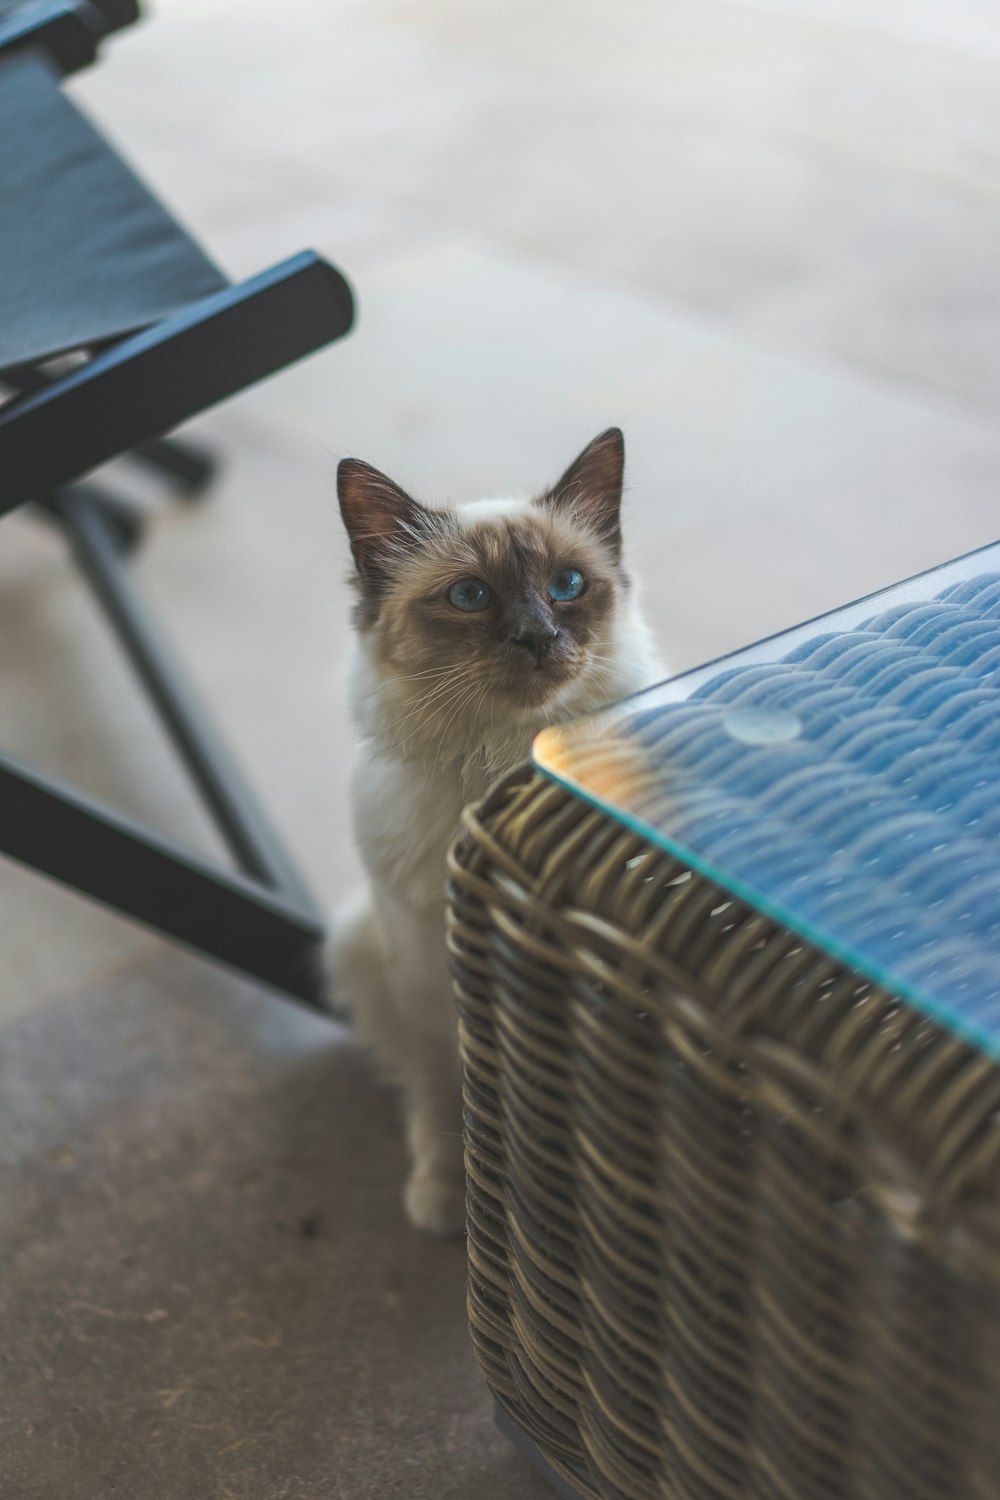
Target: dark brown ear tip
[346,470]
[355,478]
[350,467]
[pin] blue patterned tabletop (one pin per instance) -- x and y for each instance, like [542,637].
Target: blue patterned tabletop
[843,777]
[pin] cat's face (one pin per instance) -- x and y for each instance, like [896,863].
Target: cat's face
[508,601]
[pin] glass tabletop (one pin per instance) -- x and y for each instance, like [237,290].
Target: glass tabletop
[843,777]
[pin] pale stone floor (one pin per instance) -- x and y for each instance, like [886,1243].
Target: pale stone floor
[761,235]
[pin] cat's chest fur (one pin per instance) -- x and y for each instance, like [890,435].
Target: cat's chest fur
[406,813]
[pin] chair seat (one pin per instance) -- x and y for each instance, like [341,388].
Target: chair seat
[98,258]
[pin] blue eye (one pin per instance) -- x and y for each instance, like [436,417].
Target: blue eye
[470,594]
[567,584]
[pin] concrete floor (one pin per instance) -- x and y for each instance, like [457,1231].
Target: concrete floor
[209,1288]
[762,235]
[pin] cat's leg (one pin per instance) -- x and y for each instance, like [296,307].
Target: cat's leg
[388,969]
[425,1046]
[432,1094]
[355,969]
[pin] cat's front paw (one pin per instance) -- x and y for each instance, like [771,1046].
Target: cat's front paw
[435,1205]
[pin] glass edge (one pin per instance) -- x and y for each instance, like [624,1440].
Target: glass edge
[983,1041]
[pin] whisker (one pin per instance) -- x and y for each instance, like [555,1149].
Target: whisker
[437,699]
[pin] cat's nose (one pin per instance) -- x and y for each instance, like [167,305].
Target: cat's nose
[537,642]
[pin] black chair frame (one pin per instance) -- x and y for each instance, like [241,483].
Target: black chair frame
[58,426]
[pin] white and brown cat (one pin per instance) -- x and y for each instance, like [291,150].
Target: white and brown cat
[475,627]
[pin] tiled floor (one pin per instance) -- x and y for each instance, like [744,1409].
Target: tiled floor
[762,235]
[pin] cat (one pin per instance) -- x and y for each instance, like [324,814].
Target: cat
[475,627]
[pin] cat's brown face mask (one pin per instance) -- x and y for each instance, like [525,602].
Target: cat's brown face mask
[514,599]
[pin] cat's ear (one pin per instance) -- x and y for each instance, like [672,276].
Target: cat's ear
[383,522]
[591,488]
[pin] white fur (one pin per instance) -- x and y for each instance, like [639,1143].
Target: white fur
[409,785]
[491,510]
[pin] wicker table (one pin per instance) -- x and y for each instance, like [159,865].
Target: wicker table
[728,966]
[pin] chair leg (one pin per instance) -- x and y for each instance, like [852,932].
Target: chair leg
[233,807]
[262,920]
[71,838]
[190,469]
[125,523]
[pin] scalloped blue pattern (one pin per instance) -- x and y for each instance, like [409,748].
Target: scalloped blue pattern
[870,821]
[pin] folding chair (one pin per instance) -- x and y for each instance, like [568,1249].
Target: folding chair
[114,328]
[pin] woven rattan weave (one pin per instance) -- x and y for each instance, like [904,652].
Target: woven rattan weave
[733,1222]
[734,1210]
